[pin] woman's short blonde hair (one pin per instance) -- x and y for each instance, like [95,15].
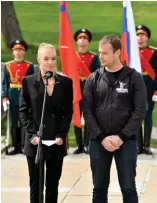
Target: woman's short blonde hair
[43,46]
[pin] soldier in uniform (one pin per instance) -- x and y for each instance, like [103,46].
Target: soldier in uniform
[148,57]
[14,71]
[89,61]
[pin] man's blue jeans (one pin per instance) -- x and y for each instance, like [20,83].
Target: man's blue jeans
[125,159]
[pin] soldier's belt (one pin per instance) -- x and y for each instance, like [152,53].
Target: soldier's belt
[12,85]
[145,73]
[83,78]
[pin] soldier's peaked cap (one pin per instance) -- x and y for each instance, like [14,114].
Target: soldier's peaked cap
[19,44]
[83,33]
[143,29]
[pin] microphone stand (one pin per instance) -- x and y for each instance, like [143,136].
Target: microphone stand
[39,156]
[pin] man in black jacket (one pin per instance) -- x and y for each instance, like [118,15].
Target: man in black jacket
[114,105]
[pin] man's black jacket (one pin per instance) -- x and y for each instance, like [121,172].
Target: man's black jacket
[114,109]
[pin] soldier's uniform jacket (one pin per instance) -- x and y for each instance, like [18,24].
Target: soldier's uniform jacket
[91,60]
[12,81]
[150,54]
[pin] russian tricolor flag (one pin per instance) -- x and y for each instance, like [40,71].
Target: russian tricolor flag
[130,51]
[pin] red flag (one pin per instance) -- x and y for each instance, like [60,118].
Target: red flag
[124,56]
[69,60]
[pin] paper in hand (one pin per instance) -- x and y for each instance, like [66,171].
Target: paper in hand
[48,142]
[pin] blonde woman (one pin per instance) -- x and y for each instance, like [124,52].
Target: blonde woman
[57,118]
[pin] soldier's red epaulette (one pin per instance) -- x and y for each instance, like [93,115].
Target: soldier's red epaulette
[9,62]
[152,47]
[92,53]
[28,62]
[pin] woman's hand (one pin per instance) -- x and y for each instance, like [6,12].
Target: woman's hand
[59,141]
[35,140]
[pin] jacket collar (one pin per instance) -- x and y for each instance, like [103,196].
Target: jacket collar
[127,71]
[103,74]
[38,78]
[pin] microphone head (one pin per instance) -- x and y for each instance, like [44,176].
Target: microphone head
[48,74]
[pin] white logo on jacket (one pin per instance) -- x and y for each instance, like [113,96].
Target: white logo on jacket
[121,89]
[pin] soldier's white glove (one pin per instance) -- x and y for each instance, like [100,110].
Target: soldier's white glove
[154,98]
[82,120]
[6,104]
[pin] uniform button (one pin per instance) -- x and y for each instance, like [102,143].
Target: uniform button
[82,55]
[18,64]
[18,70]
[53,115]
[141,50]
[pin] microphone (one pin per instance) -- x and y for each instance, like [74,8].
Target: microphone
[48,74]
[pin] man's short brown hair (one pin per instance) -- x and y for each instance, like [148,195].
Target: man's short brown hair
[113,40]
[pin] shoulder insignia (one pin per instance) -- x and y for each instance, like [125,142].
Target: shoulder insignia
[92,53]
[152,47]
[9,62]
[28,62]
[61,73]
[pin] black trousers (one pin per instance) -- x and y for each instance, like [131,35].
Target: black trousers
[16,134]
[53,174]
[144,138]
[125,158]
[17,131]
[81,140]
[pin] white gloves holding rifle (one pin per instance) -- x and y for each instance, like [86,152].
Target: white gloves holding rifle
[154,98]
[6,104]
